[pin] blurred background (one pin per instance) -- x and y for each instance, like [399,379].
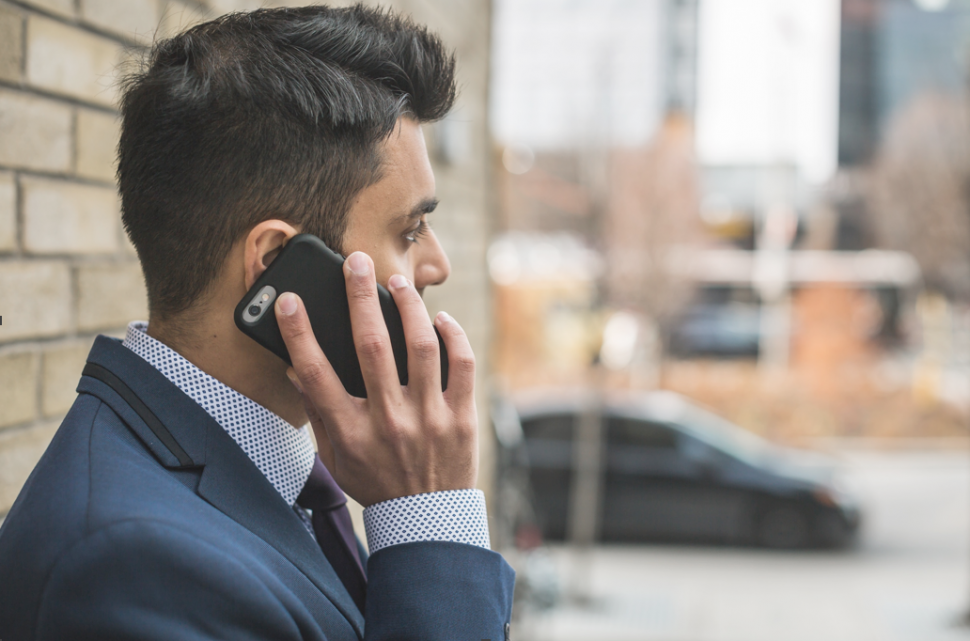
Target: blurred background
[714,259]
[731,302]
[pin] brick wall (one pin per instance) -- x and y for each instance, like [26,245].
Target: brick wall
[67,271]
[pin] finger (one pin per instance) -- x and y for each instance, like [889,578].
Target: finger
[319,427]
[317,380]
[424,361]
[370,333]
[461,360]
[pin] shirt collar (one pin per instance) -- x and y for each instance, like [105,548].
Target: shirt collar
[284,454]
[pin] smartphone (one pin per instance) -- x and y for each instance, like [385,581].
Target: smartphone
[310,269]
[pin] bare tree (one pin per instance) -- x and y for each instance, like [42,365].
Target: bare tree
[652,213]
[918,188]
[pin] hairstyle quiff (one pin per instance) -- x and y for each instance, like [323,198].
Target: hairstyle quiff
[276,113]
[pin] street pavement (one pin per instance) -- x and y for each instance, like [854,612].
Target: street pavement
[907,579]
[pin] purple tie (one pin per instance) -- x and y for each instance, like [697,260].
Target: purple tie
[334,529]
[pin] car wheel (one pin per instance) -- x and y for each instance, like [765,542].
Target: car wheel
[783,527]
[832,531]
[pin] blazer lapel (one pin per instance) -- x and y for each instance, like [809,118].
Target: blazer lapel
[234,485]
[230,481]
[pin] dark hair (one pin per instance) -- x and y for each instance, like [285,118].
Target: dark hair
[276,113]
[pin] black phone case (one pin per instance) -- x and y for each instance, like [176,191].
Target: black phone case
[307,267]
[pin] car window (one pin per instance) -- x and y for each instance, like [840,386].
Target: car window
[725,437]
[626,432]
[548,441]
[557,427]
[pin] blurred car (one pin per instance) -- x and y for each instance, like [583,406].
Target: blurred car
[673,471]
[723,330]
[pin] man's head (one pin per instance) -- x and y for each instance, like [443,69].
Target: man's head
[307,116]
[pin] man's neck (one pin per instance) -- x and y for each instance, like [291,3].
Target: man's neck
[212,343]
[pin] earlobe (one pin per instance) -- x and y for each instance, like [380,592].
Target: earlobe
[263,243]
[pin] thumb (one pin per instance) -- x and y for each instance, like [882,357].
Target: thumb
[324,446]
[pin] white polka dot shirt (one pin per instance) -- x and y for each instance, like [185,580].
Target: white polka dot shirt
[285,455]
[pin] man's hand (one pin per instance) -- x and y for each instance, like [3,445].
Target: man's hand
[400,440]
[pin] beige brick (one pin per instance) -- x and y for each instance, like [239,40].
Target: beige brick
[37,299]
[177,17]
[220,7]
[135,19]
[8,212]
[62,7]
[126,245]
[18,388]
[110,295]
[19,452]
[64,217]
[11,43]
[70,61]
[97,142]
[34,133]
[60,372]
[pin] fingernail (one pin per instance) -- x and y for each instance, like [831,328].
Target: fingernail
[358,264]
[290,374]
[287,303]
[443,317]
[397,282]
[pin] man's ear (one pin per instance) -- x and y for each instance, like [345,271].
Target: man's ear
[263,243]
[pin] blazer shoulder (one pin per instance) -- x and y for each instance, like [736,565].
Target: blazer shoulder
[93,472]
[48,515]
[59,480]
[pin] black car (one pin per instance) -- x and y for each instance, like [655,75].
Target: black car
[675,472]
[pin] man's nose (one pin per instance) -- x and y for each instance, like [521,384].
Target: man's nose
[433,266]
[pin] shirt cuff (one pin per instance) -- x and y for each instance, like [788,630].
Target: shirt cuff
[457,516]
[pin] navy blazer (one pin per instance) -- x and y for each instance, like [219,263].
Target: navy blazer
[125,530]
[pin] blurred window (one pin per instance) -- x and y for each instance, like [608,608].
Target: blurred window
[548,441]
[554,426]
[638,448]
[725,437]
[626,432]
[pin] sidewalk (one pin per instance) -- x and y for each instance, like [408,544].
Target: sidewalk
[907,580]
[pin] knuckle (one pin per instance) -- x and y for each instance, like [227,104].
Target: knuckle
[371,345]
[437,432]
[361,293]
[469,427]
[424,348]
[395,432]
[464,363]
[466,431]
[434,417]
[312,374]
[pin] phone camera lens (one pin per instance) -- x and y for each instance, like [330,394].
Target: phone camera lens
[254,310]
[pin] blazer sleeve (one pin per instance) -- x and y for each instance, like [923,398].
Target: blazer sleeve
[147,581]
[150,581]
[438,591]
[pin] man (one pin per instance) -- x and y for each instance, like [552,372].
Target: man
[179,500]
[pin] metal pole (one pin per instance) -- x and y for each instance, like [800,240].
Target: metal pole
[586,490]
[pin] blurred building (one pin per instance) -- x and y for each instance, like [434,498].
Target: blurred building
[904,134]
[894,53]
[67,271]
[568,76]
[594,104]
[891,52]
[575,82]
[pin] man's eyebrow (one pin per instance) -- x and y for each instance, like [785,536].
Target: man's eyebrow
[426,206]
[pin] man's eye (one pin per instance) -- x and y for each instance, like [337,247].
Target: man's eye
[418,232]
